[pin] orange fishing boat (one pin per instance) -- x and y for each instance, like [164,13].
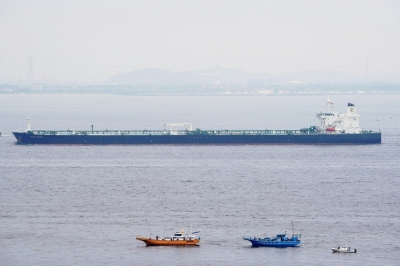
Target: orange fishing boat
[178,239]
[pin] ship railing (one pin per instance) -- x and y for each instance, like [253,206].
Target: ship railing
[98,132]
[164,132]
[369,131]
[245,132]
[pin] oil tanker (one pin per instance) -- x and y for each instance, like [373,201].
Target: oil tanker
[333,128]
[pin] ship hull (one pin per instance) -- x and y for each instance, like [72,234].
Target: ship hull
[195,139]
[162,242]
[277,244]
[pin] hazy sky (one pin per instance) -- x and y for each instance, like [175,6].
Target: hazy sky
[87,40]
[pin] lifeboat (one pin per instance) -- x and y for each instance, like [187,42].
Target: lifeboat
[178,239]
[330,129]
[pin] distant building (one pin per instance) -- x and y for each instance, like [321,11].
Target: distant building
[263,91]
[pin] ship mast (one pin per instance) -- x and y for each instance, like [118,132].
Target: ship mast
[329,104]
[29,124]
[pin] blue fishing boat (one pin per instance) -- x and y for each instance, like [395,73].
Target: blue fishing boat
[280,241]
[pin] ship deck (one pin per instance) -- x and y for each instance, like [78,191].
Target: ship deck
[175,132]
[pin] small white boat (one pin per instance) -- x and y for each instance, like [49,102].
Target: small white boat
[344,249]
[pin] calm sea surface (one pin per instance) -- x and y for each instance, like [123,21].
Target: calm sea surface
[84,205]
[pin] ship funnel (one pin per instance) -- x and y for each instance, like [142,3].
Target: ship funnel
[351,120]
[351,109]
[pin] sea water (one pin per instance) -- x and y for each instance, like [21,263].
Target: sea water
[85,205]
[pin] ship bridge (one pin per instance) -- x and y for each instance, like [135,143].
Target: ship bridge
[331,122]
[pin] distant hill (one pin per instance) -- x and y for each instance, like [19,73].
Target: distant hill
[318,77]
[159,77]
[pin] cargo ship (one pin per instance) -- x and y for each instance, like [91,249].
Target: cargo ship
[333,128]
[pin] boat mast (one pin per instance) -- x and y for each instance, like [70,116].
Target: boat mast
[292,229]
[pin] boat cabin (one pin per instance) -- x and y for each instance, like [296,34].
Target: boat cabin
[281,237]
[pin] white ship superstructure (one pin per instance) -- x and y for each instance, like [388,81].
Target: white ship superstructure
[331,122]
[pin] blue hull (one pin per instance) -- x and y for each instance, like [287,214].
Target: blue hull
[198,139]
[283,244]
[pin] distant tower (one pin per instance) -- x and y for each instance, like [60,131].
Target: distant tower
[367,71]
[30,75]
[217,75]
